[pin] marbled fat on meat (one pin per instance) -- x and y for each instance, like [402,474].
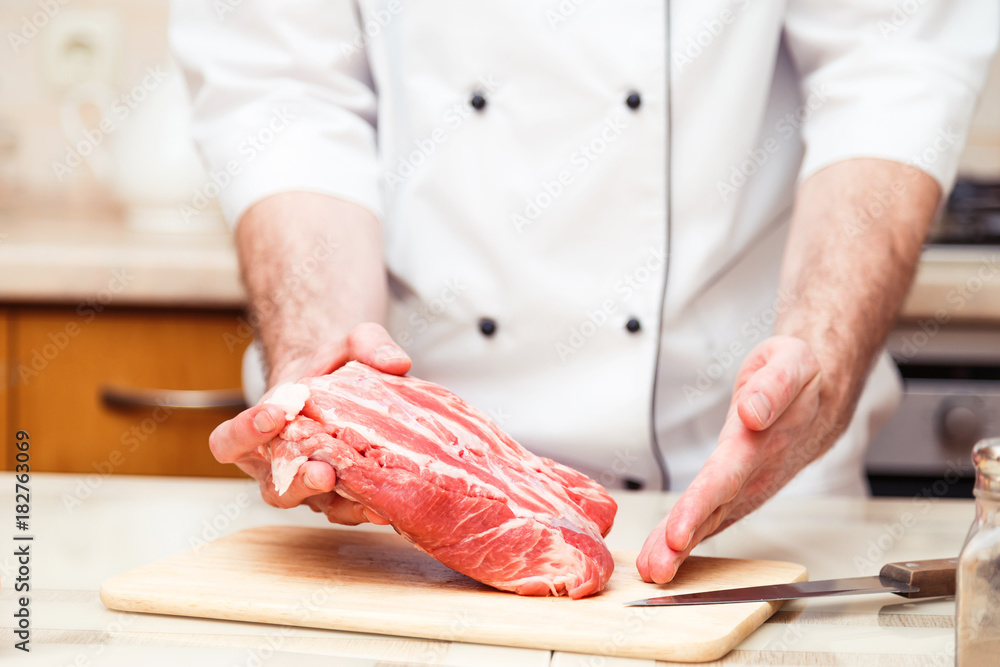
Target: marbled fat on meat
[452,482]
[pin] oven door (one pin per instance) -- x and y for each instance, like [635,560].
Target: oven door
[926,448]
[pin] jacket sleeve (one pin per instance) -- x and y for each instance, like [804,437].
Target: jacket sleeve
[282,98]
[892,79]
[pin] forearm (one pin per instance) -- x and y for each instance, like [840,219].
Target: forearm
[848,264]
[855,239]
[312,266]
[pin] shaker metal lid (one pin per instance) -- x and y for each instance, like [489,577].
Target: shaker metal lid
[986,456]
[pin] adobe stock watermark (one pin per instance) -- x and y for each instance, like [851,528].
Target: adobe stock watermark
[90,654]
[120,109]
[428,312]
[130,440]
[224,8]
[31,26]
[580,161]
[499,415]
[252,145]
[790,638]
[957,298]
[752,330]
[634,622]
[901,14]
[943,141]
[461,623]
[785,128]
[695,45]
[881,200]
[221,522]
[292,281]
[625,288]
[304,610]
[40,357]
[823,434]
[371,28]
[875,549]
[624,461]
[562,12]
[424,148]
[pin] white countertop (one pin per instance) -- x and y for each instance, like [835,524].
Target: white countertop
[956,283]
[88,529]
[66,261]
[55,260]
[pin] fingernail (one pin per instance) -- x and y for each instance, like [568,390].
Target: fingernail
[263,422]
[687,542]
[388,354]
[308,481]
[761,408]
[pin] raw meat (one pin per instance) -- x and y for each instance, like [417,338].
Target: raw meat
[450,481]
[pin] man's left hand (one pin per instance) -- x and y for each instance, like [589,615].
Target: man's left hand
[773,429]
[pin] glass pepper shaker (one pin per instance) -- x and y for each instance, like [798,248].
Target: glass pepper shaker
[977,623]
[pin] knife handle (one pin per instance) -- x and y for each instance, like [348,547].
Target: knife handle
[932,577]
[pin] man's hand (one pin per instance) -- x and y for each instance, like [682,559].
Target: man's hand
[855,238]
[771,432]
[312,266]
[237,440]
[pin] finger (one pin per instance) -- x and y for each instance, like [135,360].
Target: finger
[658,563]
[369,343]
[343,511]
[656,538]
[374,517]
[718,482]
[313,478]
[235,438]
[257,468]
[325,359]
[790,366]
[338,509]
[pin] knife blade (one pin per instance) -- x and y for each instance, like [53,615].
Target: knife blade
[911,579]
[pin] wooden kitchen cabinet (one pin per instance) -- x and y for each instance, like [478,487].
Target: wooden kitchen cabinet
[5,428]
[61,359]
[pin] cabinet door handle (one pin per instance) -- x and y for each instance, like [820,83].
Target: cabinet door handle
[137,397]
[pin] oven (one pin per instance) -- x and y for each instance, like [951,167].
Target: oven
[949,359]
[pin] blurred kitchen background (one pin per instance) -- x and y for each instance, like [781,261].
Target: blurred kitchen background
[121,324]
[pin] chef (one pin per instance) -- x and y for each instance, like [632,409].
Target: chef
[660,242]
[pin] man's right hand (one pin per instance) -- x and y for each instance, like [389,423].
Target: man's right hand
[237,440]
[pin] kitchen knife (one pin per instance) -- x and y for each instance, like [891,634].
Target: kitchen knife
[911,579]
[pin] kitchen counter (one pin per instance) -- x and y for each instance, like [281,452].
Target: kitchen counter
[90,528]
[54,260]
[953,283]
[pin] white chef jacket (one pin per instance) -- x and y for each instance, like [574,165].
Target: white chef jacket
[585,202]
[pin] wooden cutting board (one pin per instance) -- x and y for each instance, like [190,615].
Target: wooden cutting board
[376,582]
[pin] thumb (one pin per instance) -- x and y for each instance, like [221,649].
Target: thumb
[371,344]
[789,364]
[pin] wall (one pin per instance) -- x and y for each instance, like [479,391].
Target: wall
[982,154]
[31,138]
[30,103]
